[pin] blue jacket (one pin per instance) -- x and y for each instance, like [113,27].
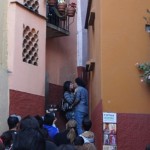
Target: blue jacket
[81,95]
[52,130]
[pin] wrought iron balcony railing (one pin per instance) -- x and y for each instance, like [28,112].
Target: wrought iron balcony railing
[57,23]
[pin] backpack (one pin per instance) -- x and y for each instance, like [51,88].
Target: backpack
[65,106]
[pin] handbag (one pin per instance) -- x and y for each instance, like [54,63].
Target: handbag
[65,106]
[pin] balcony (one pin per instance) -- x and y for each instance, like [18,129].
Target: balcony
[57,23]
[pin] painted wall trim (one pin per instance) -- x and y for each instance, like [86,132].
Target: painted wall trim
[19,4]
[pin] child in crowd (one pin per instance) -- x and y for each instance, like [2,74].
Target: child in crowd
[87,135]
[68,135]
[49,125]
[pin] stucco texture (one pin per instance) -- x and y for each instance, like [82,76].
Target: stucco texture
[4,100]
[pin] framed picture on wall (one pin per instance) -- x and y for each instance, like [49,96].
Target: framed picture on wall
[109,132]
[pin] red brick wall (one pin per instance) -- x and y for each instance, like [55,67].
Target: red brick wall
[55,96]
[97,125]
[82,73]
[133,130]
[23,104]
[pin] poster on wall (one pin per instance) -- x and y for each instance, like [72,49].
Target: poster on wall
[109,131]
[106,147]
[110,117]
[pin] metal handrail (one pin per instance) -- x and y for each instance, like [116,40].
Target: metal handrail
[56,18]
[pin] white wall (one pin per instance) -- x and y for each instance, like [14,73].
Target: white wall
[4,102]
[82,33]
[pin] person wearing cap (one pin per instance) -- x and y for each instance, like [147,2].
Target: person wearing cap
[87,135]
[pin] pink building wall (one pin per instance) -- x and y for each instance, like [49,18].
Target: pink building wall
[61,57]
[26,81]
[23,76]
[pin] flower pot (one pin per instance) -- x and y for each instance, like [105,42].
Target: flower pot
[62,7]
[51,2]
[71,11]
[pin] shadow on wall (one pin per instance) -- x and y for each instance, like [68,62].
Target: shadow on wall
[54,98]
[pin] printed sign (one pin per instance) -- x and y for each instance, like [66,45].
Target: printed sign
[105,147]
[109,117]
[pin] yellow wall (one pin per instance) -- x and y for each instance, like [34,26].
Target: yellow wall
[117,44]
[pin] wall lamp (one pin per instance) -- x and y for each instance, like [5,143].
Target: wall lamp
[90,65]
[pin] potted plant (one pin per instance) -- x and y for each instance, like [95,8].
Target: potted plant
[51,2]
[145,72]
[62,5]
[71,9]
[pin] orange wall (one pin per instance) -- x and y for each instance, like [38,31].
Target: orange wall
[118,42]
[94,44]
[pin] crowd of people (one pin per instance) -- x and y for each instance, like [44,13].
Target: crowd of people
[41,132]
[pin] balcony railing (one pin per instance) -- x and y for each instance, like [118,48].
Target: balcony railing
[57,23]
